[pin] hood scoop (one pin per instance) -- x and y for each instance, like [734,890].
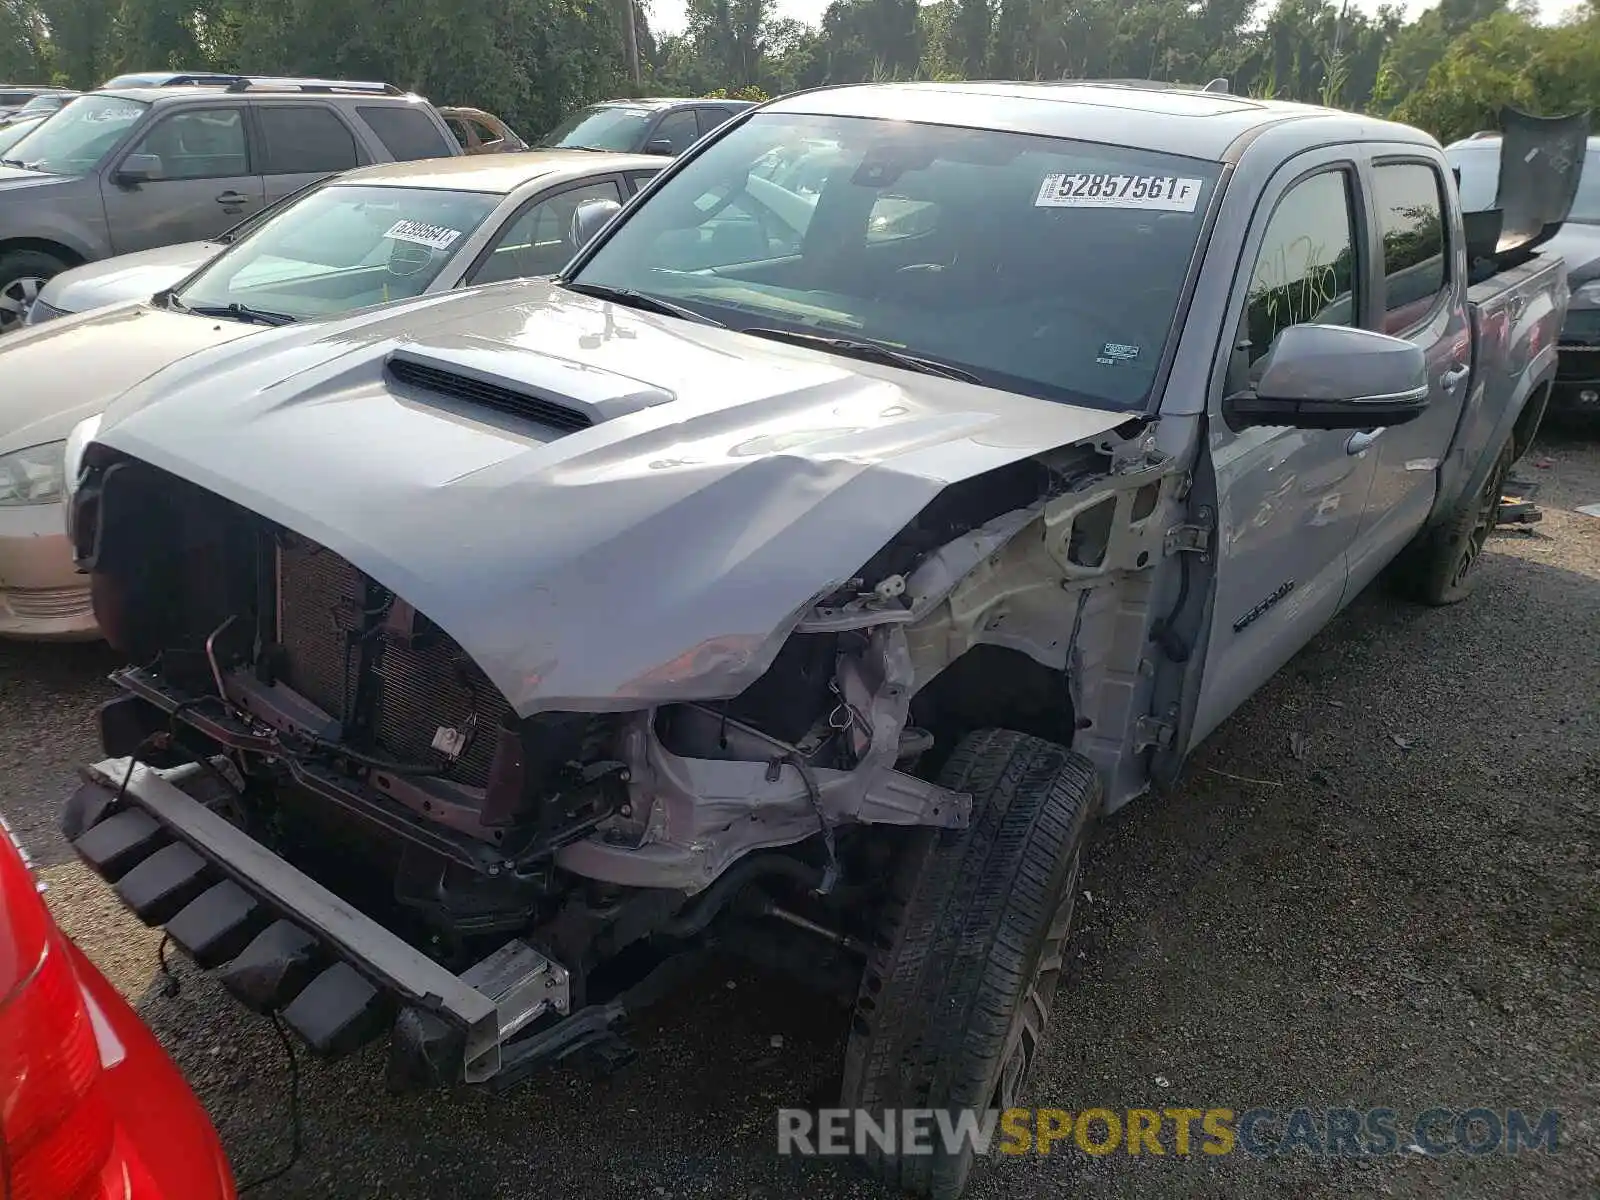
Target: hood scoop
[552,392]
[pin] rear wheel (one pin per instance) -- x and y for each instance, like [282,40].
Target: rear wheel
[957,993]
[1438,568]
[23,274]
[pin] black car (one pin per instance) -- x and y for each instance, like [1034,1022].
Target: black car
[656,125]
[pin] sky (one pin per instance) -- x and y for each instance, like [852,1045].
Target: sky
[666,16]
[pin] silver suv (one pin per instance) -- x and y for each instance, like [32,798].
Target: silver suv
[126,169]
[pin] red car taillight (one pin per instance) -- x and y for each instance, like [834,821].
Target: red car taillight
[56,1124]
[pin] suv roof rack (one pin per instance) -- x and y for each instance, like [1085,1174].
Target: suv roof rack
[280,83]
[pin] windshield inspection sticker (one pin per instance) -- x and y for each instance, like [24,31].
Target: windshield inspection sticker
[1165,193]
[435,237]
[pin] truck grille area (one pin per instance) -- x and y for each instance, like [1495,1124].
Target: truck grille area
[421,683]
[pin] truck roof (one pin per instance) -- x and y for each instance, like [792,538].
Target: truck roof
[1174,120]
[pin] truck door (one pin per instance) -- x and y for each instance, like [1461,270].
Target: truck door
[1289,500]
[1420,296]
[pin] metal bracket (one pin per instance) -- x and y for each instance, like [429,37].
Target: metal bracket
[1193,537]
[1151,731]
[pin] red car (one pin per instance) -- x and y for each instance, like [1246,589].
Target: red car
[91,1107]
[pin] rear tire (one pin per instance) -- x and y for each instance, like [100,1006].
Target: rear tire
[1438,568]
[957,993]
[23,274]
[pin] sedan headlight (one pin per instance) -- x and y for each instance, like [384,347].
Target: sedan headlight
[34,475]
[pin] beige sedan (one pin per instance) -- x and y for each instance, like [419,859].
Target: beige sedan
[366,237]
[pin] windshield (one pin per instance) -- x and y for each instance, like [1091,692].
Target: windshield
[75,139]
[601,127]
[1479,166]
[10,135]
[339,248]
[1038,264]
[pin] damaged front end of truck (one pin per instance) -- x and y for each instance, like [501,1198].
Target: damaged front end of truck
[484,752]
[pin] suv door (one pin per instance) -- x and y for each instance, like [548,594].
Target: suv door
[205,183]
[1421,297]
[300,144]
[1290,500]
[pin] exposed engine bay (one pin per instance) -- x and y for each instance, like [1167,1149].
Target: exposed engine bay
[341,728]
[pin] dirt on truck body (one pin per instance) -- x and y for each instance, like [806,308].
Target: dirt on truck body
[783,576]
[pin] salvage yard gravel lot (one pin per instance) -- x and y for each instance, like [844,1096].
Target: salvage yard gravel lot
[1377,885]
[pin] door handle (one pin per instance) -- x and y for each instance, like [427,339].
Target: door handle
[1454,377]
[1360,441]
[233,198]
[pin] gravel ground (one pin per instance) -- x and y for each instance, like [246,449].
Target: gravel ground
[1376,885]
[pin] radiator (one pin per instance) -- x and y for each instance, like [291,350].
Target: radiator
[419,687]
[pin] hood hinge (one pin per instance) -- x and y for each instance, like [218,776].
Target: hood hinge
[1194,536]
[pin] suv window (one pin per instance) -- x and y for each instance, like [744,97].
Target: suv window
[538,241]
[304,137]
[1305,272]
[677,129]
[710,118]
[1411,217]
[406,132]
[198,143]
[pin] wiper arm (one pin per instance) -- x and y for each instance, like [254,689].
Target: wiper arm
[13,162]
[875,352]
[240,312]
[639,300]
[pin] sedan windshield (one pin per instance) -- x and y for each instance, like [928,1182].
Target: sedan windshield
[1036,264]
[600,127]
[341,247]
[75,139]
[1479,168]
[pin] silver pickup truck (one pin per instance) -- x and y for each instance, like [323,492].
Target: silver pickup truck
[799,576]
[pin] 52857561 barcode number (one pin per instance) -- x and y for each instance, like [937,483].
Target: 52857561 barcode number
[1166,193]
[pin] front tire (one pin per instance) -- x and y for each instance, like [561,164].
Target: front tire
[23,274]
[957,993]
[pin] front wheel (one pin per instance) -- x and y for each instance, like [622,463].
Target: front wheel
[23,274]
[1438,568]
[957,993]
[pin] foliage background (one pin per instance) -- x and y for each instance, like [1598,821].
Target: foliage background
[1448,70]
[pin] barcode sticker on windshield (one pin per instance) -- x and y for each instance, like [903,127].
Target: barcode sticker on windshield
[1164,193]
[435,237]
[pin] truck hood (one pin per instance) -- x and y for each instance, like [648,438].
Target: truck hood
[662,553]
[126,277]
[57,373]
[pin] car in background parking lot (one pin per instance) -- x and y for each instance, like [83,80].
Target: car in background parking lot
[42,105]
[479,132]
[118,171]
[660,125]
[16,97]
[370,236]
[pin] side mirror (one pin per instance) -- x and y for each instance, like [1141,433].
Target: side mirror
[662,146]
[137,169]
[1334,377]
[589,218]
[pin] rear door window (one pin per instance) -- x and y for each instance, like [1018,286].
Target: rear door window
[407,133]
[304,138]
[1411,218]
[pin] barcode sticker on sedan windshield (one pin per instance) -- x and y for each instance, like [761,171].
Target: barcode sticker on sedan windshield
[436,237]
[1165,193]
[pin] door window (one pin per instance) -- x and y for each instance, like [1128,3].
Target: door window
[678,130]
[538,240]
[1411,216]
[1305,273]
[205,143]
[710,118]
[486,135]
[459,128]
[301,138]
